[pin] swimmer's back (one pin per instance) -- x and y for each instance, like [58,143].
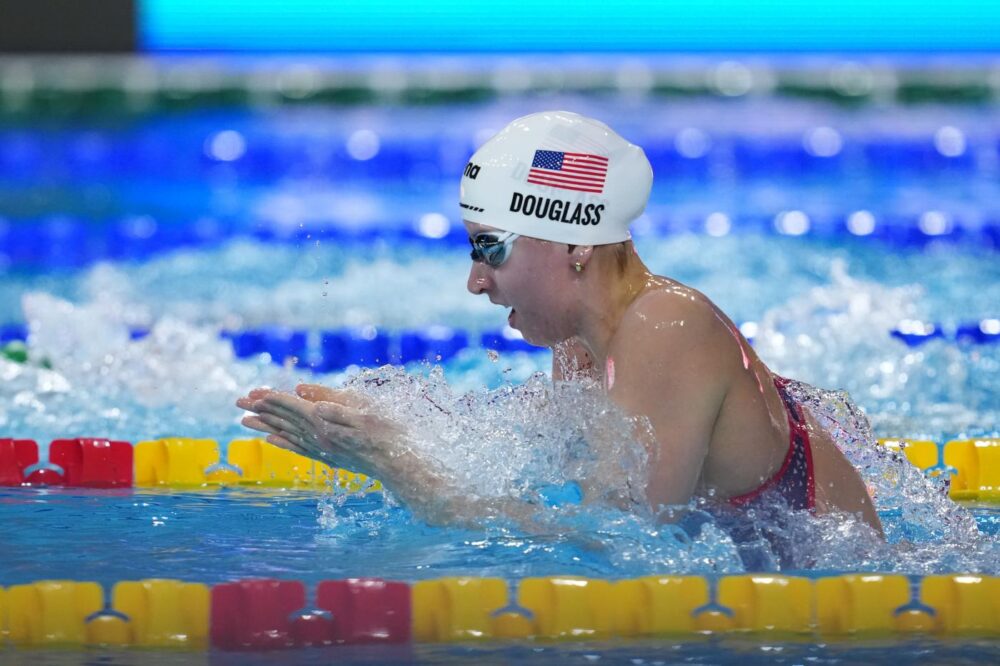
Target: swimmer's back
[749,431]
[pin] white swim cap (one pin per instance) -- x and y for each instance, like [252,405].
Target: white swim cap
[558,176]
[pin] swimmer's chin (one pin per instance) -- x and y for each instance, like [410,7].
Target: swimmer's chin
[527,336]
[534,340]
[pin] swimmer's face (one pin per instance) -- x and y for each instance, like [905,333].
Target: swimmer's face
[534,281]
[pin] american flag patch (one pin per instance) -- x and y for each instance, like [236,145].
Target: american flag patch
[581,172]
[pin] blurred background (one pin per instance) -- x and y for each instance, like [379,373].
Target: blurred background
[286,174]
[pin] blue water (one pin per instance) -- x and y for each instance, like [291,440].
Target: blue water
[187,225]
[126,188]
[696,651]
[218,535]
[824,311]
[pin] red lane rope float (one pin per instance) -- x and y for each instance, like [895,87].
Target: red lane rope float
[261,615]
[16,456]
[93,463]
[173,462]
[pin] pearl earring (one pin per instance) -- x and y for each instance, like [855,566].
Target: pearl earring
[578,266]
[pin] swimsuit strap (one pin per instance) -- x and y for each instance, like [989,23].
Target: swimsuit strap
[800,438]
[797,468]
[796,419]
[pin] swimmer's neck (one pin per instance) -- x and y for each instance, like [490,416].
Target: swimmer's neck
[609,293]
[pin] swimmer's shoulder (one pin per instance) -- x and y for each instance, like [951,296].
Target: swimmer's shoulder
[669,319]
[666,305]
[670,345]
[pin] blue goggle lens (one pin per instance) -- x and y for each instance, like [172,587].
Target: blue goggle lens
[490,248]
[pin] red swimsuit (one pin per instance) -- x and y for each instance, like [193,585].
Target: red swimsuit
[795,481]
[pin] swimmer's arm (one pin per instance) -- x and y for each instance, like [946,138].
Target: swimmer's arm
[675,374]
[431,494]
[340,428]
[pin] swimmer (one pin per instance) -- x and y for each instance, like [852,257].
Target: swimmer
[547,205]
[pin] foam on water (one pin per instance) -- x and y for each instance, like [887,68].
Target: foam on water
[512,443]
[180,380]
[328,284]
[838,335]
[926,532]
[521,453]
[319,286]
[527,444]
[824,312]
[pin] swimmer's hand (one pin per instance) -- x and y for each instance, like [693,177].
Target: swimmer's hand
[343,429]
[337,427]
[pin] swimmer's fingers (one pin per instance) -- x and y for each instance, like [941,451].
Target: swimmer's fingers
[281,438]
[340,415]
[270,426]
[255,423]
[281,426]
[287,444]
[320,393]
[317,392]
[295,426]
[293,437]
[276,401]
[312,432]
[246,402]
[292,409]
[292,421]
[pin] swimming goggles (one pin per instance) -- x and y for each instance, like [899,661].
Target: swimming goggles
[492,248]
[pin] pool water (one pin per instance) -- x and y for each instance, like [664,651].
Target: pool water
[217,535]
[265,218]
[653,653]
[824,313]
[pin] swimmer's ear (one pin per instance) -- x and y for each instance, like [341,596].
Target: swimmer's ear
[579,256]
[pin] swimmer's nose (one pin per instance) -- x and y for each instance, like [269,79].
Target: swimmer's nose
[479,279]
